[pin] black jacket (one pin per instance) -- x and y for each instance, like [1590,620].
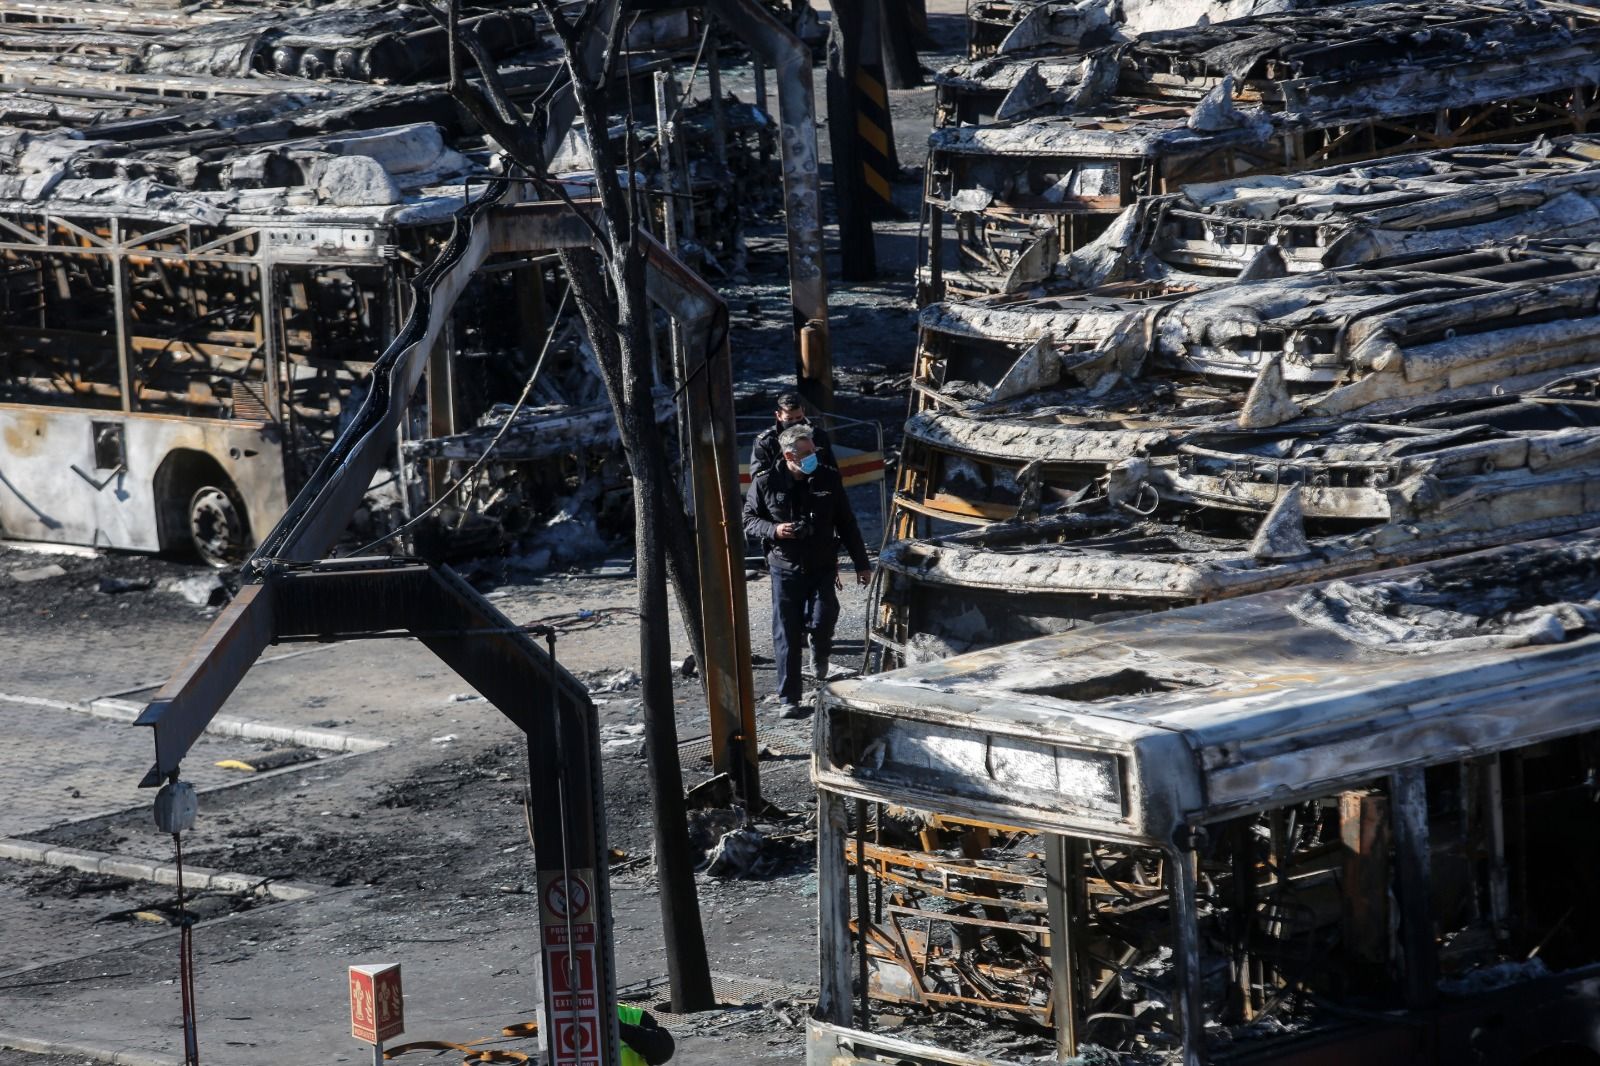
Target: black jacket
[653,1043]
[777,496]
[767,453]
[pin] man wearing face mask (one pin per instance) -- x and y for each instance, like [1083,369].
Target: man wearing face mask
[791,412]
[799,512]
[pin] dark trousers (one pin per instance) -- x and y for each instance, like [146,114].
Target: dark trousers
[801,603]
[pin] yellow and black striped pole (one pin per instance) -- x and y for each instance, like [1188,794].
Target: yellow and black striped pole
[875,140]
[860,136]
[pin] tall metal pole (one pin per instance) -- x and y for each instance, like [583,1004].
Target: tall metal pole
[858,259]
[773,43]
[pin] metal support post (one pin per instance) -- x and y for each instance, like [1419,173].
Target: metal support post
[719,110]
[797,123]
[1409,803]
[441,379]
[670,226]
[901,30]
[713,467]
[833,908]
[271,370]
[1063,872]
[119,308]
[1190,1005]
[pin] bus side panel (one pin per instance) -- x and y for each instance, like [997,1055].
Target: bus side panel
[54,488]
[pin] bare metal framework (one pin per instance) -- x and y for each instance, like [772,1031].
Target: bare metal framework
[1426,203]
[1080,136]
[1188,412]
[1228,512]
[209,221]
[1000,27]
[1105,377]
[292,592]
[235,340]
[1226,834]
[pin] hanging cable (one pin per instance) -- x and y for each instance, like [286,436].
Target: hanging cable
[688,91]
[477,463]
[174,809]
[191,1044]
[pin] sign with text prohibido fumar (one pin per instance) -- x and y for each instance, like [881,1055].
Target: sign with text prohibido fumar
[571,939]
[377,1008]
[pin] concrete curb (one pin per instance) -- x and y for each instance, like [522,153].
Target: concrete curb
[125,711]
[117,1056]
[226,725]
[136,869]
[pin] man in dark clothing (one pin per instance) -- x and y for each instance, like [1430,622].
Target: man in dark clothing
[791,412]
[799,512]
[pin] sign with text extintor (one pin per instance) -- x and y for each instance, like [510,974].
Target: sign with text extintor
[573,1000]
[377,1006]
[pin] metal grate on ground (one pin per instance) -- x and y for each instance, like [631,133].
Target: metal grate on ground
[731,991]
[785,740]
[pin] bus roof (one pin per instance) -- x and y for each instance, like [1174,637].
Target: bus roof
[1133,728]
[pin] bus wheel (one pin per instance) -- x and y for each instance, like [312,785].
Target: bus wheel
[216,528]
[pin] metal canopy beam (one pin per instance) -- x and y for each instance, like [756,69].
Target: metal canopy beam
[319,514]
[353,598]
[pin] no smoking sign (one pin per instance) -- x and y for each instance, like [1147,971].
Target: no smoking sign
[567,897]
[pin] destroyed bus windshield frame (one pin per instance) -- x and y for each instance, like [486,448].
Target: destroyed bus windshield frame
[1170,863]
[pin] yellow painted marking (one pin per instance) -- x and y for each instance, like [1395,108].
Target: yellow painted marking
[872,134]
[876,183]
[873,88]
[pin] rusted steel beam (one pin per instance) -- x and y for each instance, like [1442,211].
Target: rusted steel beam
[707,393]
[1364,833]
[180,711]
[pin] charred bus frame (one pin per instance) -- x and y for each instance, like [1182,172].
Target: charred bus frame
[1081,136]
[1299,827]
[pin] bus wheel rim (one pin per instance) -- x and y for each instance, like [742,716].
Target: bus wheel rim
[214,526]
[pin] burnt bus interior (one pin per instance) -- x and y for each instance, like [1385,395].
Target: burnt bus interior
[1297,908]
[206,233]
[154,318]
[120,315]
[959,362]
[1023,922]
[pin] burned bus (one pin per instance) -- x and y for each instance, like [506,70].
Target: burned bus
[1348,822]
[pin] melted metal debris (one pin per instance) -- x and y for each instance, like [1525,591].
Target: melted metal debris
[1543,598]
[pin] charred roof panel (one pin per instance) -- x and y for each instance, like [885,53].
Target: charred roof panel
[1271,699]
